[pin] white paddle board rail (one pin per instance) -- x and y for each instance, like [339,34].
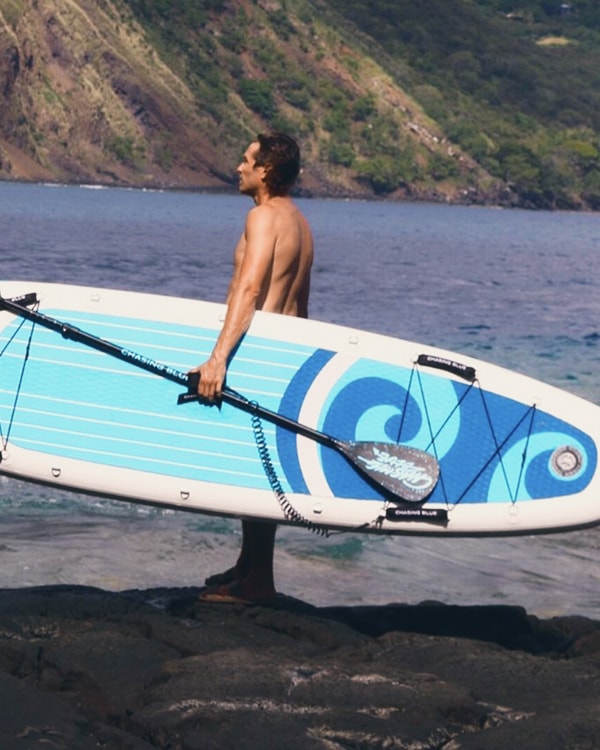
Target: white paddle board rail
[434,442]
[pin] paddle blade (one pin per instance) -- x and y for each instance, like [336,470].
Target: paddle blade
[406,473]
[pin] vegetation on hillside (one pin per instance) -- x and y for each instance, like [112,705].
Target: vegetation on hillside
[295,73]
[463,100]
[514,84]
[528,111]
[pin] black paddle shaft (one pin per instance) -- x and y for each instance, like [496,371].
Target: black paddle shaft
[406,473]
[235,398]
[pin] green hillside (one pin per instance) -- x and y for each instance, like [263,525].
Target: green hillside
[471,101]
[515,84]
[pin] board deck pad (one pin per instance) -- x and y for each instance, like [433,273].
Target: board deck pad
[515,455]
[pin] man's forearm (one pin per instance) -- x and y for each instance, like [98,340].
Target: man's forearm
[240,311]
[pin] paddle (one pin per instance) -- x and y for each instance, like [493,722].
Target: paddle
[403,472]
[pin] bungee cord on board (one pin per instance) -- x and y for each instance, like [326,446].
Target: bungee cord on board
[4,439]
[469,374]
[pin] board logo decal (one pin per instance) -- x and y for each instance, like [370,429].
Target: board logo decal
[566,461]
[410,474]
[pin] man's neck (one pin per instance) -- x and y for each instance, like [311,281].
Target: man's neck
[264,197]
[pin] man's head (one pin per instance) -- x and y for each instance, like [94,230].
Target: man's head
[279,157]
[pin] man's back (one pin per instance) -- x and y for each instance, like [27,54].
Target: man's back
[285,236]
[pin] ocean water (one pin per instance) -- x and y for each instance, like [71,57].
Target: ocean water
[517,288]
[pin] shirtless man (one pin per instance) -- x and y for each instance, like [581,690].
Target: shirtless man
[271,272]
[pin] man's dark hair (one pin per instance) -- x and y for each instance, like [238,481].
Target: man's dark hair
[281,155]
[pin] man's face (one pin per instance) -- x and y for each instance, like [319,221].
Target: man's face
[251,177]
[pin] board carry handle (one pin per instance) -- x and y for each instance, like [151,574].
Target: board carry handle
[405,473]
[449,365]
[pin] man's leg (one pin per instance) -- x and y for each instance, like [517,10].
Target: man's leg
[242,566]
[259,580]
[252,577]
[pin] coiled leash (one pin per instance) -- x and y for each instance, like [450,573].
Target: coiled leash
[288,509]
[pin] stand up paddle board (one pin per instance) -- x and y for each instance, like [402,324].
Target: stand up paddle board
[321,425]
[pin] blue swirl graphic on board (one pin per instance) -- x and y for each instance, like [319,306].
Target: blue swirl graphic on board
[368,401]
[291,403]
[491,448]
[381,402]
[557,462]
[368,408]
[509,451]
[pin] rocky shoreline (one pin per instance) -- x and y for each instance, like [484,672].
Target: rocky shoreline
[85,668]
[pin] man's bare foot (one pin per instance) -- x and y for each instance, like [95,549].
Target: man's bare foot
[238,592]
[218,579]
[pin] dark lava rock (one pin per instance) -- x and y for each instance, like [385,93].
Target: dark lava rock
[83,668]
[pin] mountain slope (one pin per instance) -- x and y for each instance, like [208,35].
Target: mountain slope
[388,98]
[86,98]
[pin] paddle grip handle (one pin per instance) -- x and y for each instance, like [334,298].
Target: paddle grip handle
[193,378]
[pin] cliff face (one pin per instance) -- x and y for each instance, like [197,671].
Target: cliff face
[89,94]
[84,98]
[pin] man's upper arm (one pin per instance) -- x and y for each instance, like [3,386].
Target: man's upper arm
[260,245]
[303,299]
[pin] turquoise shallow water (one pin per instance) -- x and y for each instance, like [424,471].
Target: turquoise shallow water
[517,288]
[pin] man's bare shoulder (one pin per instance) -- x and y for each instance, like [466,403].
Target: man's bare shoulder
[278,214]
[261,218]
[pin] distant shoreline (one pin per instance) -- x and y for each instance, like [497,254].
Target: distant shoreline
[297,193]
